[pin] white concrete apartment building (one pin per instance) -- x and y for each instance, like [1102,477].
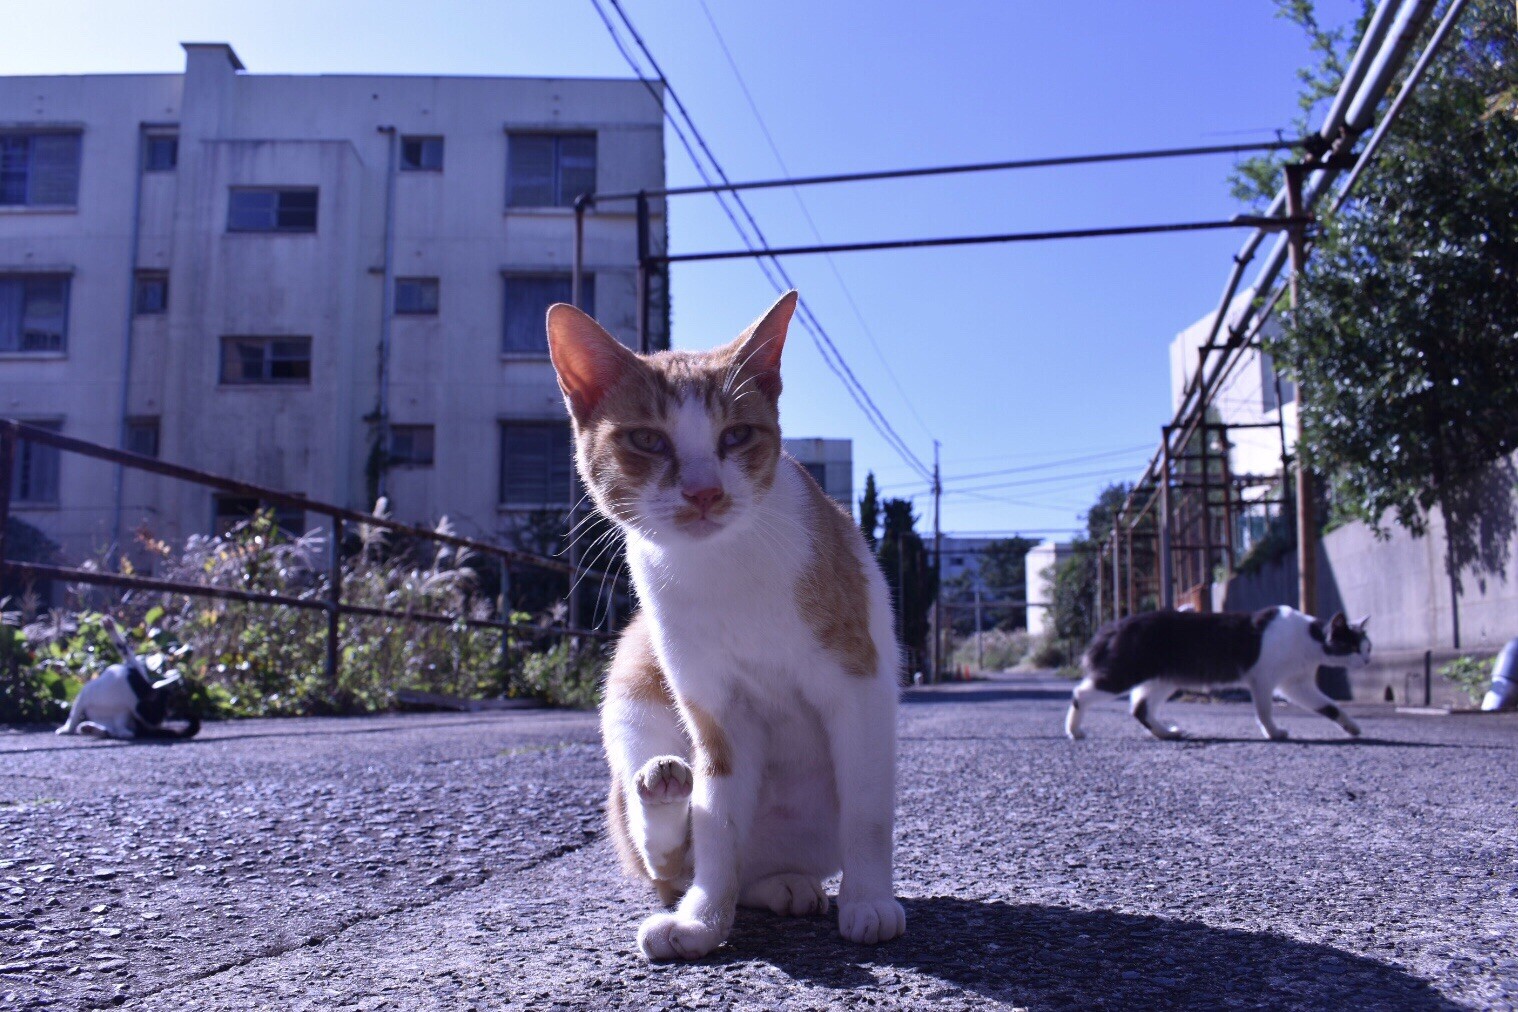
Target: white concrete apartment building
[247,273]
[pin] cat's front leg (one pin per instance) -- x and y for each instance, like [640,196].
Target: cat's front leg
[724,796]
[862,740]
[1264,707]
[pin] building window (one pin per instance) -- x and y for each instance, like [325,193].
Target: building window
[160,153]
[270,209]
[142,436]
[230,510]
[39,169]
[528,297]
[33,312]
[34,474]
[549,170]
[416,296]
[421,154]
[265,360]
[411,445]
[819,473]
[152,293]
[535,464]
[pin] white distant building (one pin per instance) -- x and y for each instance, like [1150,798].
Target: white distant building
[830,461]
[322,284]
[1038,570]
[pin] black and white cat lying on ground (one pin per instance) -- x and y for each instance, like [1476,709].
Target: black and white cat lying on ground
[1276,649]
[124,701]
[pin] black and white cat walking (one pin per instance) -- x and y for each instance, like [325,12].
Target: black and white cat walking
[1276,649]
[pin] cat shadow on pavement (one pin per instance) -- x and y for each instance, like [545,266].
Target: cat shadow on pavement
[1037,956]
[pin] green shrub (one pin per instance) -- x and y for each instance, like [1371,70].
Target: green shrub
[1049,652]
[568,674]
[1471,674]
[1000,648]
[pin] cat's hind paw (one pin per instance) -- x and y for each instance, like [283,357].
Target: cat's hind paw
[1168,732]
[665,937]
[664,779]
[867,922]
[1277,734]
[787,894]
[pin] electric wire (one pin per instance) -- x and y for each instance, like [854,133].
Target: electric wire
[807,318]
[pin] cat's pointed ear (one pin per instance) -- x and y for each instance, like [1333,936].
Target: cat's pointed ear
[756,353]
[1338,621]
[589,361]
[1363,623]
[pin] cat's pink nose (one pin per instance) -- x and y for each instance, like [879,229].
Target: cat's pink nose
[703,498]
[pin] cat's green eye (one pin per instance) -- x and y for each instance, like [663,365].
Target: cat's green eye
[648,440]
[736,436]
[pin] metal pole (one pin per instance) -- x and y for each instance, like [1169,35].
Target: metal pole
[1167,581]
[118,486]
[382,395]
[980,642]
[334,601]
[7,461]
[1204,581]
[643,264]
[901,590]
[1307,526]
[578,258]
[937,566]
[1128,568]
[503,611]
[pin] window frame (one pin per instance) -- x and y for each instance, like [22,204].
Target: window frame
[143,277]
[267,379]
[30,171]
[587,300]
[437,296]
[139,424]
[549,477]
[282,514]
[412,460]
[279,193]
[558,197]
[23,278]
[427,143]
[148,146]
[24,462]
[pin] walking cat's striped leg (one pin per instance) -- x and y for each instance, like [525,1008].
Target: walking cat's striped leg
[1085,694]
[1264,705]
[1144,704]
[1305,693]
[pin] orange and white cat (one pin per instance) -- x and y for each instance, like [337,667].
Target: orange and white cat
[750,709]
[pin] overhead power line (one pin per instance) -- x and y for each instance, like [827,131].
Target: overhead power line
[825,346]
[811,222]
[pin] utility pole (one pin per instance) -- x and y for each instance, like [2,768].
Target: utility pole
[937,567]
[980,643]
[1307,519]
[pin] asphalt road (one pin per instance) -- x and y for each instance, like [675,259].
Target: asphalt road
[457,862]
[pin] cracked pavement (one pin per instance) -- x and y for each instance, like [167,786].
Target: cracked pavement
[457,862]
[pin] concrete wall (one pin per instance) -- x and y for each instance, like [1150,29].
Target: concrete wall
[1038,566]
[238,129]
[1402,583]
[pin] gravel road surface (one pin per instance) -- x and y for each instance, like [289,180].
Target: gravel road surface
[457,862]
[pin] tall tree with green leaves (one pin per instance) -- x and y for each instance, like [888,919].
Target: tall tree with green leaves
[1405,345]
[1074,584]
[909,575]
[869,511]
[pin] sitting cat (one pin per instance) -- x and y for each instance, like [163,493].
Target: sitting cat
[1277,648]
[750,709]
[124,702]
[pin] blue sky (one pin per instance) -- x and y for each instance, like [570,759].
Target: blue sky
[1011,356]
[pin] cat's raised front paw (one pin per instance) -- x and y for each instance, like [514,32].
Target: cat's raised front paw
[670,936]
[664,779]
[867,922]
